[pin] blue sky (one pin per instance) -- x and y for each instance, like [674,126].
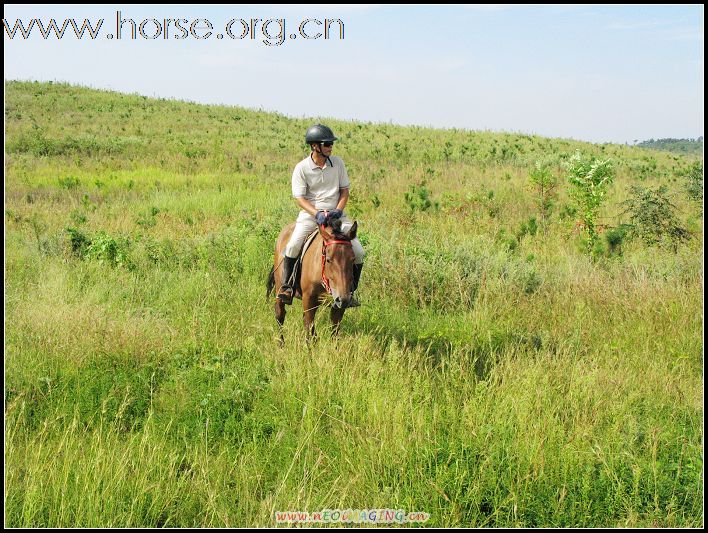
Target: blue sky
[602,74]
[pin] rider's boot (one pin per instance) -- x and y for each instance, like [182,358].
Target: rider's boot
[355,283]
[285,294]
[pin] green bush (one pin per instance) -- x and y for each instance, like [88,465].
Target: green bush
[418,198]
[615,237]
[544,185]
[106,249]
[589,179]
[69,182]
[653,218]
[529,227]
[694,177]
[78,241]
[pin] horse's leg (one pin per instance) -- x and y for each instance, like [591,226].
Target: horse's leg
[310,303]
[336,314]
[280,317]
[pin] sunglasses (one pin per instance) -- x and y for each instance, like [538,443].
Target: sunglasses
[327,144]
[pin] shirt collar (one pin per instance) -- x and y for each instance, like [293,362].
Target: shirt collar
[314,165]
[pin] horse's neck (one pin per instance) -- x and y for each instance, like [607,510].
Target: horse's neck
[311,268]
[312,260]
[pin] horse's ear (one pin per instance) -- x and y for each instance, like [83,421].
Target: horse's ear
[352,231]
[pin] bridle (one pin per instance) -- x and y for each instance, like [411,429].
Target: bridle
[325,244]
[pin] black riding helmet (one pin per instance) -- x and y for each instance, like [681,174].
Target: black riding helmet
[319,133]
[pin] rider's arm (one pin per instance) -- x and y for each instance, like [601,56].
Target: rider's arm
[305,204]
[343,198]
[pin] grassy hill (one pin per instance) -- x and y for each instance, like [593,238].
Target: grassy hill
[496,375]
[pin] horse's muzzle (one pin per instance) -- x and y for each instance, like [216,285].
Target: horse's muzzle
[341,303]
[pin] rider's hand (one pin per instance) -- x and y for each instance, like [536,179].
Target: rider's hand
[334,214]
[320,217]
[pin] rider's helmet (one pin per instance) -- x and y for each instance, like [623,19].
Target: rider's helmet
[319,133]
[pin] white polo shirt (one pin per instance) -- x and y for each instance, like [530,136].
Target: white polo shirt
[320,186]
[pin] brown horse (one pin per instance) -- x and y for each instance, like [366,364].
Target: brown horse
[327,267]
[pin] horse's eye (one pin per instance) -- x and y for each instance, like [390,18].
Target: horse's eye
[329,260]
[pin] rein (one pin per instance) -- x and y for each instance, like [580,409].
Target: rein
[325,281]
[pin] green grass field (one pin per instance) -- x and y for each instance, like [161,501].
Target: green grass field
[496,375]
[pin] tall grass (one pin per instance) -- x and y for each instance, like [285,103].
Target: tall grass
[494,376]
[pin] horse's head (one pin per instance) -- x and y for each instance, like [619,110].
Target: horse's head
[338,265]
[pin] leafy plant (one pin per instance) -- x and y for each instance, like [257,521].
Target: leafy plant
[418,198]
[589,179]
[529,227]
[147,219]
[694,186]
[544,184]
[532,282]
[447,151]
[653,217]
[105,248]
[69,182]
[615,237]
[79,242]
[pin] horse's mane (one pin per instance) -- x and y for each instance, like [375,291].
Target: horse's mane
[336,226]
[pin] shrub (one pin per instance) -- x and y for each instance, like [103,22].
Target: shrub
[544,185]
[615,237]
[78,241]
[147,219]
[532,282]
[530,227]
[70,182]
[105,248]
[589,179]
[418,198]
[653,217]
[694,186]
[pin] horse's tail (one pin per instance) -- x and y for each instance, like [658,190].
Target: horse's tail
[271,282]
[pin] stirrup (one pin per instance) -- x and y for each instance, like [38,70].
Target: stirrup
[285,295]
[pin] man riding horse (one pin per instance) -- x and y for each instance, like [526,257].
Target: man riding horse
[320,185]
